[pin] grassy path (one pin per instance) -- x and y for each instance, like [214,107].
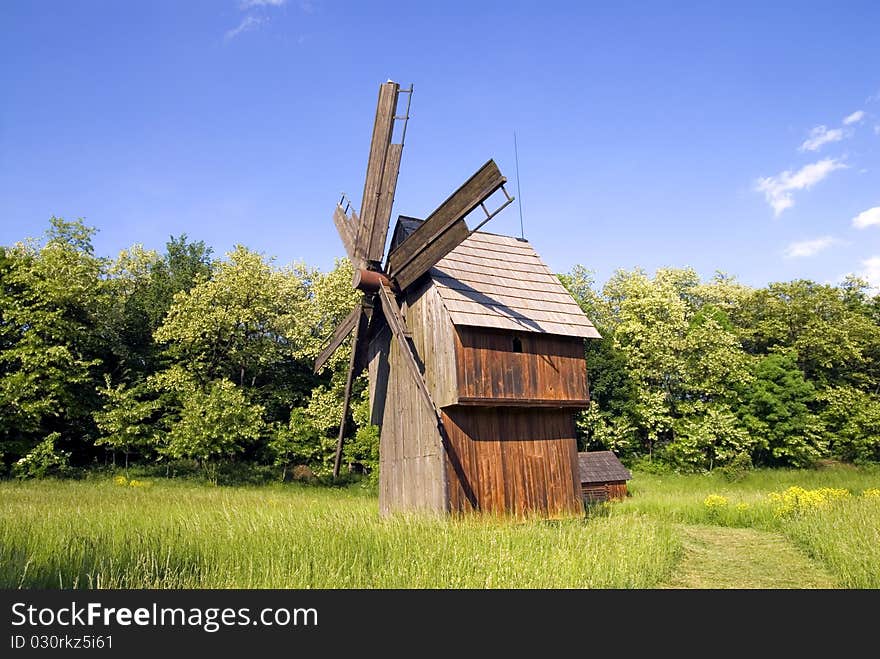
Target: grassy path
[723,557]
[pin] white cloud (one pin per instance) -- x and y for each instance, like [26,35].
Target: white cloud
[249,23]
[820,136]
[871,273]
[854,118]
[877,129]
[777,189]
[867,218]
[247,4]
[808,247]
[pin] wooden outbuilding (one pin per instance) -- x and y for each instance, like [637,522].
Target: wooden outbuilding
[602,476]
[501,345]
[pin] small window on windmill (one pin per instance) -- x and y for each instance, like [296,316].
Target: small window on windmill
[517,344]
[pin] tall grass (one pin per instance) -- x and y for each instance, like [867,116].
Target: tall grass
[844,536]
[179,535]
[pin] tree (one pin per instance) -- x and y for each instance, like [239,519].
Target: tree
[852,422]
[711,437]
[237,324]
[49,361]
[777,413]
[215,423]
[126,419]
[299,442]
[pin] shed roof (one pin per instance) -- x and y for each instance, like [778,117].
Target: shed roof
[501,282]
[601,467]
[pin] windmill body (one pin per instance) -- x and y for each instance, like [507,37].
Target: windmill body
[473,347]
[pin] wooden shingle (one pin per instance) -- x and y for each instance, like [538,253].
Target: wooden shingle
[601,467]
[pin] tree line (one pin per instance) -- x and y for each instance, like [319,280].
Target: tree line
[182,358]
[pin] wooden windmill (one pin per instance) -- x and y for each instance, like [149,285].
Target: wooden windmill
[474,348]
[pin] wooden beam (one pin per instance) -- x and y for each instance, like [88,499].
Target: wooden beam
[347,230]
[423,261]
[382,131]
[355,365]
[375,248]
[396,322]
[459,204]
[339,335]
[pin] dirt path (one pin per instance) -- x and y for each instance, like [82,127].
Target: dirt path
[722,557]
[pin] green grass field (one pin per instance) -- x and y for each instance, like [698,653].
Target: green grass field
[180,534]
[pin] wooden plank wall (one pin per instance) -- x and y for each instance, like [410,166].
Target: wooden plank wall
[412,472]
[550,369]
[517,460]
[435,339]
[611,491]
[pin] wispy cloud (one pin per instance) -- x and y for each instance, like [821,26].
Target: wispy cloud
[820,136]
[778,189]
[871,273]
[868,218]
[247,4]
[247,24]
[854,118]
[809,247]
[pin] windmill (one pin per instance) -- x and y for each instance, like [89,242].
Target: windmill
[364,237]
[414,326]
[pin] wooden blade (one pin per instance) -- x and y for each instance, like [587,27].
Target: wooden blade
[396,322]
[347,229]
[371,229]
[355,366]
[445,229]
[375,250]
[339,335]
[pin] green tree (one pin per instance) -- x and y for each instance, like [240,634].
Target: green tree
[49,364]
[299,442]
[126,420]
[711,437]
[237,324]
[777,413]
[852,421]
[216,423]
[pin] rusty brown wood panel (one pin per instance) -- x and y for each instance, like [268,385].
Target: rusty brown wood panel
[549,368]
[517,461]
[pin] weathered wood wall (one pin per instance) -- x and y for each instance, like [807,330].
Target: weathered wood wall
[611,491]
[411,461]
[550,371]
[435,340]
[516,460]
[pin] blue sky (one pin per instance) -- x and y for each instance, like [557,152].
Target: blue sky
[739,136]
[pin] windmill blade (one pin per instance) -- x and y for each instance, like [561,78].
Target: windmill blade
[339,335]
[355,366]
[381,179]
[347,228]
[396,322]
[445,229]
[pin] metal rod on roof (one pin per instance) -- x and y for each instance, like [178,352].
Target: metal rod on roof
[522,232]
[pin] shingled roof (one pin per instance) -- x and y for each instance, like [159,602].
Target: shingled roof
[601,467]
[501,282]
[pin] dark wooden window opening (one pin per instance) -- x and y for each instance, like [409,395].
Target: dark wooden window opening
[517,344]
